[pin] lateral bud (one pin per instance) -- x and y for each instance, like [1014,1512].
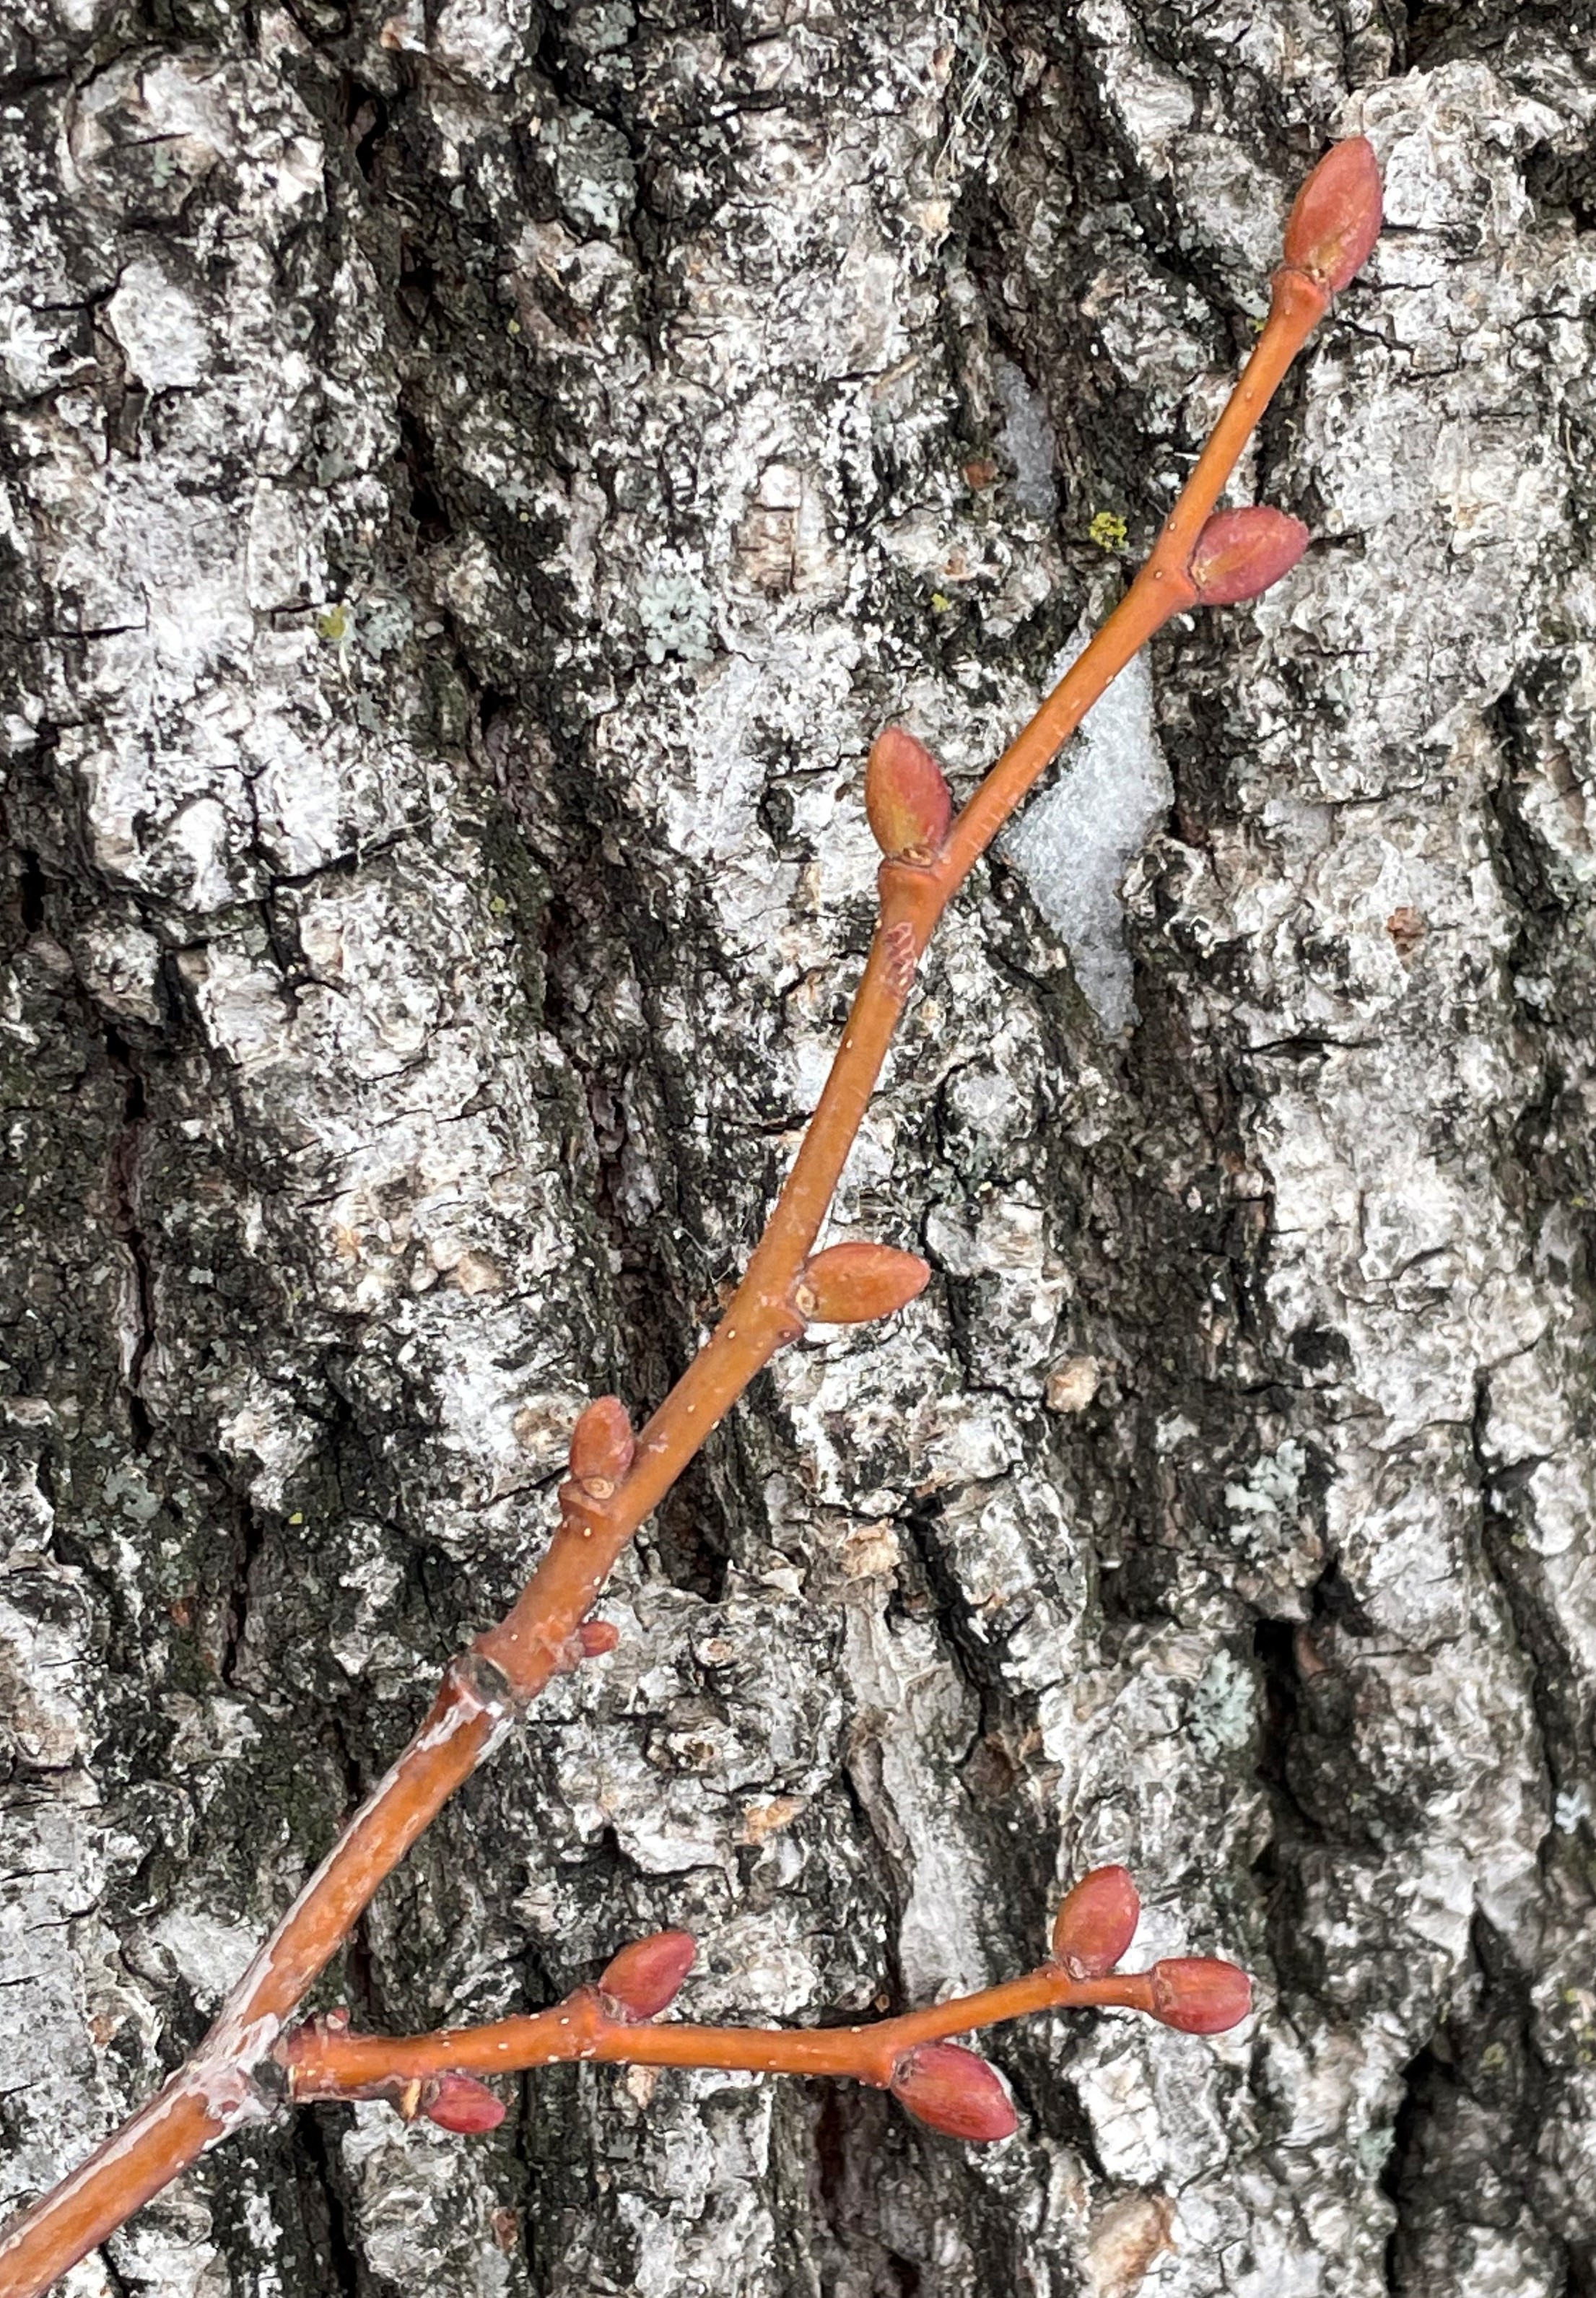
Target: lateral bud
[1200,1994]
[460,2102]
[1239,553]
[601,1447]
[953,2091]
[851,1284]
[646,1976]
[1335,218]
[590,1640]
[906,797]
[1095,1922]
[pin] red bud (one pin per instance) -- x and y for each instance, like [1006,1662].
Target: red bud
[906,797]
[461,2103]
[597,1637]
[850,1284]
[1200,1996]
[1335,218]
[601,1446]
[646,1976]
[954,2091]
[1241,553]
[1095,1922]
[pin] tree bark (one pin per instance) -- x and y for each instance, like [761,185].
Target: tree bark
[476,477]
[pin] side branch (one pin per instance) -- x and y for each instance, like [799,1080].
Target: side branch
[427,2074]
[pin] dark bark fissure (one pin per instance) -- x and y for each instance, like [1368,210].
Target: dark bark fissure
[1465,2140]
[1411,2116]
[30,893]
[334,2241]
[116,2283]
[127,1224]
[691,1531]
[998,1771]
[1322,1804]
[248,1540]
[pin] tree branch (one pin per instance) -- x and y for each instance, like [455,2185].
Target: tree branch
[434,2075]
[1332,227]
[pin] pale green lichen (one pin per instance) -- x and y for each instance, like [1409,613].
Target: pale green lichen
[387,622]
[677,616]
[1223,1705]
[1271,1491]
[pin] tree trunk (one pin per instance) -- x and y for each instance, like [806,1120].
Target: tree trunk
[474,482]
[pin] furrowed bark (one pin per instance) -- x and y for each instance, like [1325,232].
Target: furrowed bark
[515,1661]
[525,1650]
[416,982]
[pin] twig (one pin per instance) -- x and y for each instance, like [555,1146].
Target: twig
[614,1486]
[435,2075]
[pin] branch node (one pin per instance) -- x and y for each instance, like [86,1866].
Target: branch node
[484,1682]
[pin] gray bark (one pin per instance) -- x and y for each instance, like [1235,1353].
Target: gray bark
[475,478]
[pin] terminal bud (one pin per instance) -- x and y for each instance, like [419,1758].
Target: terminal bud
[1095,1922]
[953,2091]
[906,797]
[1199,1995]
[1241,553]
[1335,218]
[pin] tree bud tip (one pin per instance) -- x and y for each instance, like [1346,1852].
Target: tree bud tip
[906,797]
[601,1446]
[853,1283]
[951,2090]
[1095,1922]
[647,1976]
[460,2102]
[1239,553]
[1200,1994]
[1335,218]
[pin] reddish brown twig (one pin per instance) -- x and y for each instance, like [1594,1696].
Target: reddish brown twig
[436,2075]
[614,1486]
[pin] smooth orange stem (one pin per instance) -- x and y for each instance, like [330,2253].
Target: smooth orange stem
[325,2062]
[510,1664]
[1162,587]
